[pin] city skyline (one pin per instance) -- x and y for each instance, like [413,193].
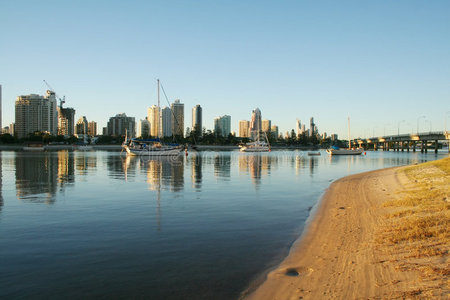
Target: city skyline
[383,64]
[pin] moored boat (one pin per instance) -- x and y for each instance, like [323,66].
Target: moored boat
[256,146]
[346,151]
[151,147]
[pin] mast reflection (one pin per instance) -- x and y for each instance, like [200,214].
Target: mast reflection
[1,182]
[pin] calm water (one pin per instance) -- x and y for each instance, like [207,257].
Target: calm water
[99,225]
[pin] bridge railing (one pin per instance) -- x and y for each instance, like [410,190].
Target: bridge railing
[443,135]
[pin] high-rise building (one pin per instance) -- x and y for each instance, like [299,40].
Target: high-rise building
[303,129]
[266,125]
[222,125]
[178,118]
[153,115]
[120,125]
[298,127]
[36,113]
[92,128]
[66,120]
[0,106]
[244,129]
[197,119]
[12,129]
[255,123]
[143,129]
[166,121]
[274,131]
[81,127]
[312,129]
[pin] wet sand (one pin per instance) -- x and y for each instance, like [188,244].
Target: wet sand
[339,255]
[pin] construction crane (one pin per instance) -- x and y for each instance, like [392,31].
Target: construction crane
[61,100]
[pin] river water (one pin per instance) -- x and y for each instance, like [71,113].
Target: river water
[93,225]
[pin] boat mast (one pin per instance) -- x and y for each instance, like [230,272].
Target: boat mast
[159,113]
[349,142]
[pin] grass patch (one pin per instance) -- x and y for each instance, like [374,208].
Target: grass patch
[418,220]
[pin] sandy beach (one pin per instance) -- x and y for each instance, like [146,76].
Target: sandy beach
[359,246]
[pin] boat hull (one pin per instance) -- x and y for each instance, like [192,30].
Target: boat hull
[153,152]
[345,151]
[262,149]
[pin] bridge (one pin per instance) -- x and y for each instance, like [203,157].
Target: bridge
[406,142]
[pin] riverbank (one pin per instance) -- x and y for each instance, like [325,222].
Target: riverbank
[380,234]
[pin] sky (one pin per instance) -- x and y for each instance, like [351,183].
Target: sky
[384,64]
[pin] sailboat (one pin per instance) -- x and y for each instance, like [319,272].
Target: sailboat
[256,146]
[345,151]
[151,147]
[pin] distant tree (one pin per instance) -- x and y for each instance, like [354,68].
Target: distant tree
[6,138]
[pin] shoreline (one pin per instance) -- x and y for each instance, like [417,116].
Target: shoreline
[339,255]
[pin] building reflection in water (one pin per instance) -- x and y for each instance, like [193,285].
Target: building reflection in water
[313,164]
[256,165]
[196,170]
[36,176]
[121,167]
[222,165]
[301,162]
[163,172]
[66,170]
[85,161]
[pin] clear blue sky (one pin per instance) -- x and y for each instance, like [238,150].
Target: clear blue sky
[380,62]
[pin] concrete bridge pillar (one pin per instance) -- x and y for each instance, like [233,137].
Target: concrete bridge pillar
[414,146]
[407,145]
[436,145]
[426,146]
[403,146]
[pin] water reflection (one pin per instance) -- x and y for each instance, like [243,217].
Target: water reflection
[196,171]
[222,165]
[256,165]
[85,162]
[1,182]
[36,177]
[65,168]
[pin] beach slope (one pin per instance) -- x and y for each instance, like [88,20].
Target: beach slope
[351,248]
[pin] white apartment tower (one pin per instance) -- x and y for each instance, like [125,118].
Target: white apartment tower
[266,125]
[166,121]
[153,117]
[255,123]
[36,113]
[298,127]
[143,129]
[244,129]
[222,125]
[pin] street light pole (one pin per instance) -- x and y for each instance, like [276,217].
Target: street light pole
[446,116]
[418,123]
[398,129]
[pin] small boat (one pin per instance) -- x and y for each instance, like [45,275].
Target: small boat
[311,153]
[151,147]
[345,151]
[256,146]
